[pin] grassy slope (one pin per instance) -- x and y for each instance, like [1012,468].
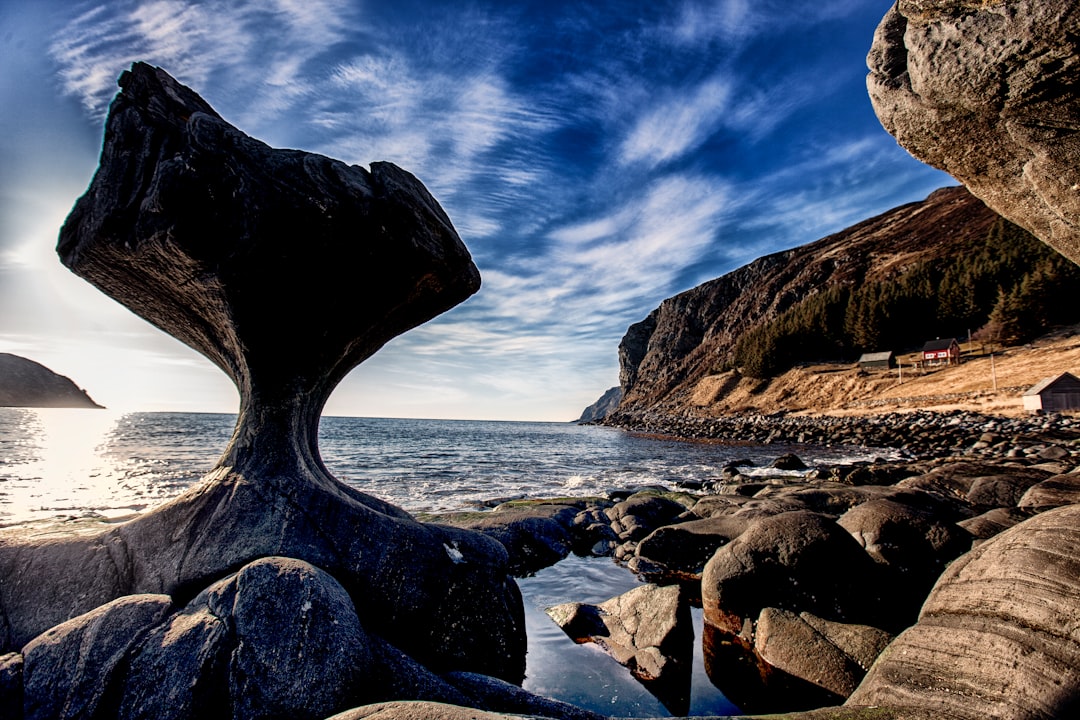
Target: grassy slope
[841,389]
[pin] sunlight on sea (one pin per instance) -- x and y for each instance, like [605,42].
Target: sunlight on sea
[65,463]
[55,461]
[70,464]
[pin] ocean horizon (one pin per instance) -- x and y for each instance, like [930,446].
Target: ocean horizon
[63,463]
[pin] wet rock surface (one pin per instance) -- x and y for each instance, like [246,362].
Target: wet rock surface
[804,577]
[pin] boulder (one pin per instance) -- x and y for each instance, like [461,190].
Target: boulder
[11,684]
[788,461]
[418,711]
[641,513]
[832,657]
[987,92]
[648,629]
[799,561]
[680,551]
[436,711]
[992,522]
[875,474]
[280,639]
[535,534]
[198,228]
[1052,492]
[1001,491]
[997,636]
[911,544]
[69,669]
[500,696]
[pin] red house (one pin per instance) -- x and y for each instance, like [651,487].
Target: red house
[943,351]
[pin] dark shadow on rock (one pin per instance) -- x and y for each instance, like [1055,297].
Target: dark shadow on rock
[752,684]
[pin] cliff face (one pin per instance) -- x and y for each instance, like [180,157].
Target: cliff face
[603,407]
[664,356]
[25,383]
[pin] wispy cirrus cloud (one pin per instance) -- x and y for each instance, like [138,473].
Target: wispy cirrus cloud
[594,159]
[223,40]
[677,125]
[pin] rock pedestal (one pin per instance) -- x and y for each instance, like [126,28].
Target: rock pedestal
[286,269]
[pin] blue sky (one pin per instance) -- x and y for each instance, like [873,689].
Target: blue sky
[595,157]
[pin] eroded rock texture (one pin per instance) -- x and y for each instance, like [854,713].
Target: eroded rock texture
[998,637]
[286,269]
[988,91]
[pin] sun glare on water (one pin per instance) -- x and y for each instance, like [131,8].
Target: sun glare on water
[54,463]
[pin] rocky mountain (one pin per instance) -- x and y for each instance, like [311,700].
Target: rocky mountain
[25,383]
[690,335]
[602,407]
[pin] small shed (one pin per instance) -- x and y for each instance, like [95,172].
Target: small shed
[943,351]
[877,361]
[1061,392]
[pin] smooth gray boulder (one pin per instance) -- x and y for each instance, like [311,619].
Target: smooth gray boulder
[286,269]
[1002,491]
[912,546]
[997,637]
[535,534]
[990,523]
[799,561]
[830,656]
[280,639]
[641,513]
[987,92]
[69,668]
[680,551]
[1052,492]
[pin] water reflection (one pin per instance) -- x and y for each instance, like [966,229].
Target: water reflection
[586,676]
[58,463]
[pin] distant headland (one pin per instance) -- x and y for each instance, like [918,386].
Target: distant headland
[25,383]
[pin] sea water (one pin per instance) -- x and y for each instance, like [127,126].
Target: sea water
[59,464]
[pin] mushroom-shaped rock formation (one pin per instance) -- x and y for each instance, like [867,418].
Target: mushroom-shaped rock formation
[286,269]
[988,92]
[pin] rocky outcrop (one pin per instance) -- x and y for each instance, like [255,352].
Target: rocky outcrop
[648,630]
[286,269]
[25,383]
[602,407]
[800,561]
[663,357]
[996,637]
[829,656]
[987,92]
[535,534]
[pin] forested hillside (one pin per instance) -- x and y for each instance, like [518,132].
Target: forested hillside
[943,267]
[1008,289]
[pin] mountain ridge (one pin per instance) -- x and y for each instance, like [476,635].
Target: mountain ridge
[26,383]
[690,335]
